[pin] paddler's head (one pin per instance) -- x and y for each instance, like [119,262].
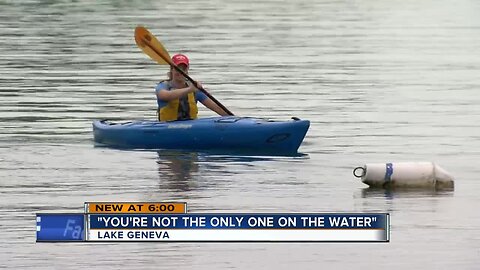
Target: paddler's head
[181,61]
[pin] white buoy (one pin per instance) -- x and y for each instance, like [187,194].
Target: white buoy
[404,174]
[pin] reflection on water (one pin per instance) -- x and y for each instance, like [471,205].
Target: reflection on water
[415,204]
[177,170]
[232,157]
[183,171]
[392,194]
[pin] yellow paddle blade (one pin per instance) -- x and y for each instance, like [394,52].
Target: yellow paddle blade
[151,46]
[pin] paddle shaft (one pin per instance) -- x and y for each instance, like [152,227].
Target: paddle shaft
[169,61]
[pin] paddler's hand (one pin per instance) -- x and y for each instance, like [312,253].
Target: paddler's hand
[194,86]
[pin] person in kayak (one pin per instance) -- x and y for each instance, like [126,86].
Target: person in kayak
[177,98]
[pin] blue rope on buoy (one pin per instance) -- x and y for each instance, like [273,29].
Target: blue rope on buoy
[388,172]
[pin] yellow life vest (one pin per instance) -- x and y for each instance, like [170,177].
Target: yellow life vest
[170,111]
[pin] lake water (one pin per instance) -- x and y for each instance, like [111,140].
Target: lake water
[380,81]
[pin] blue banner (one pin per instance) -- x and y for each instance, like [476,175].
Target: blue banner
[238,221]
[60,227]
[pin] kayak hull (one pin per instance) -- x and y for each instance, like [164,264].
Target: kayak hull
[229,133]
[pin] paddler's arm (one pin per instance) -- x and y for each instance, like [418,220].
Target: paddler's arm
[207,102]
[166,95]
[213,106]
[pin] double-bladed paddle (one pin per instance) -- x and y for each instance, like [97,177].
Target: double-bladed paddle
[154,48]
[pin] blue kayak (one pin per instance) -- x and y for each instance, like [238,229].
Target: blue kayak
[228,133]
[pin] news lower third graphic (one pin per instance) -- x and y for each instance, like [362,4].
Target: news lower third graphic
[170,222]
